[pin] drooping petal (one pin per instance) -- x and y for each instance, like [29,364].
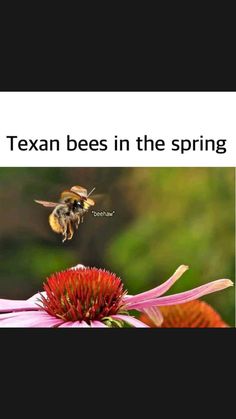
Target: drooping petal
[66,324]
[29,319]
[7,306]
[129,319]
[96,323]
[37,297]
[184,297]
[157,291]
[80,324]
[154,313]
[4,316]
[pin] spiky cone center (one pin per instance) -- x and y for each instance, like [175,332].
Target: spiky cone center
[194,314]
[83,294]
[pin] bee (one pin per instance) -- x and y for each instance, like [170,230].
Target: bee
[69,211]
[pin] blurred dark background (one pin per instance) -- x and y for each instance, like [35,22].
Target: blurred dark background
[164,217]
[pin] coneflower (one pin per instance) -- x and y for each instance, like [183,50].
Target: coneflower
[91,297]
[195,314]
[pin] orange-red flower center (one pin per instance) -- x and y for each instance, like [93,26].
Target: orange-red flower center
[192,314]
[83,294]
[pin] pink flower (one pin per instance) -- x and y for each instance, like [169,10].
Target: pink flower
[91,297]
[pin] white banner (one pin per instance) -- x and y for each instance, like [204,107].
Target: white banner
[92,129]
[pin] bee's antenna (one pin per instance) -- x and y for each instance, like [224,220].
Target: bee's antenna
[91,192]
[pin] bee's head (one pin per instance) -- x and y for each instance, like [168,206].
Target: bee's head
[77,205]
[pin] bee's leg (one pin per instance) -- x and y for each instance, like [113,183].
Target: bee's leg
[64,233]
[70,232]
[63,223]
[77,223]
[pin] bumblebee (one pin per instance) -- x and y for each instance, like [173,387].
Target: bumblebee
[69,212]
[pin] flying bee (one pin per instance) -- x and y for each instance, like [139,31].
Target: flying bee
[69,211]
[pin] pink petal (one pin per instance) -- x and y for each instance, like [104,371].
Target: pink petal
[4,316]
[17,305]
[159,290]
[66,324]
[129,319]
[37,297]
[79,266]
[93,323]
[96,323]
[154,314]
[29,319]
[80,324]
[184,297]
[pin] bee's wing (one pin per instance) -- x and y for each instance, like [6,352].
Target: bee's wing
[79,190]
[46,203]
[102,199]
[100,196]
